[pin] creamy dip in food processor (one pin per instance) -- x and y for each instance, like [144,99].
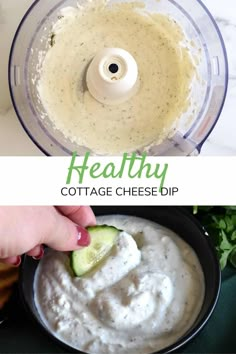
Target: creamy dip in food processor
[118,76]
[165,71]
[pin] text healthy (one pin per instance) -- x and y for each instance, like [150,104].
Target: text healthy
[132,166]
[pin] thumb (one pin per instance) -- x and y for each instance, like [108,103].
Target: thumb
[66,235]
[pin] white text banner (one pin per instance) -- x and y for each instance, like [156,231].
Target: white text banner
[123,180]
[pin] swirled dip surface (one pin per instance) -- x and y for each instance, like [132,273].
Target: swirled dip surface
[165,67]
[144,297]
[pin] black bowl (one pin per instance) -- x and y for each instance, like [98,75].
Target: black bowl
[187,227]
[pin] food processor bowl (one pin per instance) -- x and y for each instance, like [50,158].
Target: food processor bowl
[207,92]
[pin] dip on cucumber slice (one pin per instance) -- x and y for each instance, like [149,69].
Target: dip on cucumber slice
[103,238]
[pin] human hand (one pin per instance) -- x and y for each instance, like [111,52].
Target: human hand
[26,229]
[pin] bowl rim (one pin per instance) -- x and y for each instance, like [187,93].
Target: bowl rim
[195,329]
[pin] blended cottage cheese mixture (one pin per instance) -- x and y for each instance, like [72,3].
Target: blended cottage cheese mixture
[142,298]
[166,71]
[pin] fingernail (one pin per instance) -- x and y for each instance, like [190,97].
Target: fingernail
[17,262]
[41,254]
[83,237]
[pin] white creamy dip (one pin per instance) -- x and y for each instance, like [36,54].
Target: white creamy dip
[144,297]
[165,66]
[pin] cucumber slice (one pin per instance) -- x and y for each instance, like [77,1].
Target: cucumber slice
[103,238]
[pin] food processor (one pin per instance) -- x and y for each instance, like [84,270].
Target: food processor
[207,92]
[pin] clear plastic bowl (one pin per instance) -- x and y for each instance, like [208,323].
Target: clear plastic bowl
[208,94]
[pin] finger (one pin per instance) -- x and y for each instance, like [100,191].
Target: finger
[14,261]
[82,215]
[65,235]
[37,252]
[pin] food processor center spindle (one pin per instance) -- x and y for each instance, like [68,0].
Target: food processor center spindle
[112,76]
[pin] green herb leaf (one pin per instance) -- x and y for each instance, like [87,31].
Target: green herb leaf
[224,259]
[232,257]
[225,245]
[233,236]
[220,223]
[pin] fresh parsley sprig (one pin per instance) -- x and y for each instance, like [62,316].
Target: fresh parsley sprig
[220,223]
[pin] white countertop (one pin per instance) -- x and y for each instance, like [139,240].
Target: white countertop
[15,142]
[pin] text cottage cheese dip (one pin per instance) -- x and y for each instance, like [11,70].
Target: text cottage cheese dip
[165,66]
[137,301]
